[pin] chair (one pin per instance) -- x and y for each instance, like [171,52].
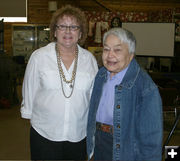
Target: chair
[169,100]
[171,105]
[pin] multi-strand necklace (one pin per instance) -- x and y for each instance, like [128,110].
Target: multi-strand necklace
[71,82]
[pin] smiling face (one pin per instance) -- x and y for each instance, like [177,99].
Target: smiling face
[116,56]
[67,38]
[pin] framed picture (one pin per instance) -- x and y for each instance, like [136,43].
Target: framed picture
[116,22]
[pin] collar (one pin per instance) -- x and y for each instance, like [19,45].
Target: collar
[131,74]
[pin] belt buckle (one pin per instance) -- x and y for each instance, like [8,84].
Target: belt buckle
[104,127]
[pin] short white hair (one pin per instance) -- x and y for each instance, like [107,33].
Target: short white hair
[124,35]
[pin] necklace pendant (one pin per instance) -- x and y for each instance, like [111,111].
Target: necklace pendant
[70,85]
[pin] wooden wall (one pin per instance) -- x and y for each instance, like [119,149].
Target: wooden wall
[38,13]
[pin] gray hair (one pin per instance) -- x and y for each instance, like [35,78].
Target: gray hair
[123,35]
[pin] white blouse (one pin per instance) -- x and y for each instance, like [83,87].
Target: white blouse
[51,114]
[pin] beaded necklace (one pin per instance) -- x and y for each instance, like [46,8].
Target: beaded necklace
[61,72]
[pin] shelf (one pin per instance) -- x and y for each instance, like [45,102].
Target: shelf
[26,38]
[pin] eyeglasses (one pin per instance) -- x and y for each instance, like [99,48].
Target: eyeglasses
[64,28]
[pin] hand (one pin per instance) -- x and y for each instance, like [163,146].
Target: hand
[92,158]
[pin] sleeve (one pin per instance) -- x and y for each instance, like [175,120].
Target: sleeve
[30,86]
[150,126]
[95,67]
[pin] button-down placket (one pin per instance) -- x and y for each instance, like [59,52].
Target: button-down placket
[117,126]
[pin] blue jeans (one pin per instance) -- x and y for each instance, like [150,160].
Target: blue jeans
[103,146]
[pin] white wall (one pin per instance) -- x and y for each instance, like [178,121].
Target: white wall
[153,39]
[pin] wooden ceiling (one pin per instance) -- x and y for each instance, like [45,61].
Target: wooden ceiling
[122,5]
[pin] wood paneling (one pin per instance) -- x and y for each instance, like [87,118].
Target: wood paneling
[138,5]
[38,10]
[7,38]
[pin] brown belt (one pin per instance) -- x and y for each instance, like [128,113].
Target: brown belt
[104,127]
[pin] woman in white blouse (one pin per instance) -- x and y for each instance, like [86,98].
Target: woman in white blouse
[57,88]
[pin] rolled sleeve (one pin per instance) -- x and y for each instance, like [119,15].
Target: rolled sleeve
[30,86]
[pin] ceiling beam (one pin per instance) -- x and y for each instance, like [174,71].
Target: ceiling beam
[135,5]
[101,3]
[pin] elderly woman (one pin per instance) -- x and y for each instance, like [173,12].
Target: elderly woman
[57,88]
[125,115]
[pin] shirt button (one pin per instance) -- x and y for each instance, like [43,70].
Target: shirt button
[118,106]
[118,126]
[117,145]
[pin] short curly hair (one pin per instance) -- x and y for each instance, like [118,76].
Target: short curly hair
[74,12]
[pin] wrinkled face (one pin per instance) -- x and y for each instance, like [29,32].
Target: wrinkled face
[116,56]
[67,32]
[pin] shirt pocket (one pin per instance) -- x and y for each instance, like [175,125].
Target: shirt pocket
[49,79]
[83,81]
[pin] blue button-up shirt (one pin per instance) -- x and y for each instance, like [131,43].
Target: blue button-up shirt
[106,105]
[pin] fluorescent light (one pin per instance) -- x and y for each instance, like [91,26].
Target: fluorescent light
[7,6]
[14,19]
[47,29]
